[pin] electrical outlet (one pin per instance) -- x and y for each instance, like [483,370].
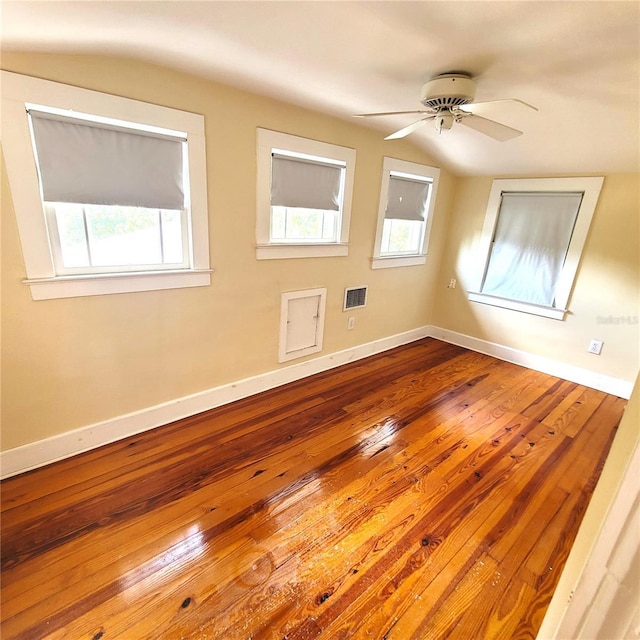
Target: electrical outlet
[452,284]
[595,347]
[351,322]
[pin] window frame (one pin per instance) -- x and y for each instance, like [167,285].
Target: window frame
[269,141]
[18,91]
[590,187]
[380,260]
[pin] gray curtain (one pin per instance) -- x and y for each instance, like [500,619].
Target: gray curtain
[530,245]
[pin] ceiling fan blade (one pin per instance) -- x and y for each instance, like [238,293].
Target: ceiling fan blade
[474,107]
[410,129]
[490,128]
[386,113]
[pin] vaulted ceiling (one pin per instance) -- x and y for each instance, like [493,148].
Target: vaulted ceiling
[578,62]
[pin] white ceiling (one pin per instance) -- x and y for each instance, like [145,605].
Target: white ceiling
[577,61]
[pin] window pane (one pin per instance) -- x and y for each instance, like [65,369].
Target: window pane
[330,220]
[73,239]
[94,237]
[401,236]
[123,236]
[296,224]
[172,237]
[303,224]
[278,218]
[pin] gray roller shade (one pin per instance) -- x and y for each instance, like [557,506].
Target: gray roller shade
[297,182]
[407,199]
[89,163]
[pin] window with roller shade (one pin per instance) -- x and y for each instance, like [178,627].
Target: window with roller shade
[109,193]
[303,196]
[532,240]
[530,245]
[407,198]
[114,195]
[306,198]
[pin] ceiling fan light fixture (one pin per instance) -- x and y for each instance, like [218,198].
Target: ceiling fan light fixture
[448,90]
[444,121]
[449,98]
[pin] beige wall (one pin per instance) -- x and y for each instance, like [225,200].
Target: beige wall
[74,362]
[606,285]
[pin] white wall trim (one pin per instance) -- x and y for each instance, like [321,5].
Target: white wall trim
[515,305]
[37,454]
[291,250]
[100,285]
[388,262]
[586,377]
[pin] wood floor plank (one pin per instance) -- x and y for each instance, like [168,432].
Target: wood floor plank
[404,495]
[474,514]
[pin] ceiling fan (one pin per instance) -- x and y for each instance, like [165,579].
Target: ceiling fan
[448,99]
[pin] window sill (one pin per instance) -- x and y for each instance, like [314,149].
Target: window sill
[105,284]
[397,261]
[283,251]
[514,305]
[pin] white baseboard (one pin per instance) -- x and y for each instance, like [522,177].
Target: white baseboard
[586,377]
[37,454]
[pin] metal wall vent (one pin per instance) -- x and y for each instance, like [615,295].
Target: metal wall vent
[355,297]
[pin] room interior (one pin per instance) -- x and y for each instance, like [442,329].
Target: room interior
[81,372]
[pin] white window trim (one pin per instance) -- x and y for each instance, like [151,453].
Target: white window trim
[591,188]
[18,90]
[268,140]
[379,261]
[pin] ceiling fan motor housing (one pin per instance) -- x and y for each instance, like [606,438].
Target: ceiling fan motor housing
[448,90]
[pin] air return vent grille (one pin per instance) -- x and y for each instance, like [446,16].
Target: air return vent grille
[355,297]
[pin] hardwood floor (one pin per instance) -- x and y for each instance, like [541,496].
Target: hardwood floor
[426,492]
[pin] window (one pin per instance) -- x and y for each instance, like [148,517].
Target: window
[106,202]
[304,192]
[89,238]
[407,199]
[532,239]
